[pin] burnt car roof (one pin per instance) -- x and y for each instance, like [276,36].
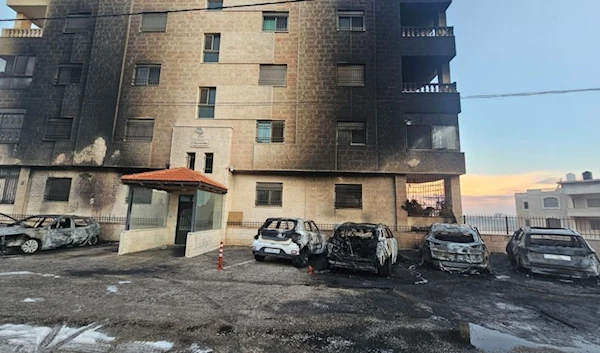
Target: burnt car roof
[452,227]
[551,231]
[286,219]
[363,225]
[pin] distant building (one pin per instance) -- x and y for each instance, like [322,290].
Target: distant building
[574,203]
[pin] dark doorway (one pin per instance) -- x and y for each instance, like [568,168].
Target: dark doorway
[184,218]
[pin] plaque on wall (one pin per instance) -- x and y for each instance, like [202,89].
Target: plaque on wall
[200,143]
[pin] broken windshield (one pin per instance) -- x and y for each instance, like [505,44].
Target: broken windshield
[454,237]
[357,231]
[281,224]
[568,241]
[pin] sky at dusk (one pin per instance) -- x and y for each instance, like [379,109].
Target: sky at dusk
[512,46]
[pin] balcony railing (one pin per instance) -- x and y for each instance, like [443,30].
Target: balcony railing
[427,31]
[429,88]
[22,33]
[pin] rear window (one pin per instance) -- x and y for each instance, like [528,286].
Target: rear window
[455,237]
[361,232]
[81,222]
[287,224]
[568,241]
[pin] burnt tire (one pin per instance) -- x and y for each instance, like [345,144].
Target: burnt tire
[259,258]
[386,269]
[31,246]
[93,240]
[302,260]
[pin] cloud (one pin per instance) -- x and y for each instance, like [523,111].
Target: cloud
[546,181]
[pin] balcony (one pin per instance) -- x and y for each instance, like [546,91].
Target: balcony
[21,33]
[428,41]
[441,98]
[29,9]
[429,88]
[584,212]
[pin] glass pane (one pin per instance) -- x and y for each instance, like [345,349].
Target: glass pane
[263,132]
[151,214]
[211,57]
[206,112]
[418,137]
[269,24]
[282,24]
[141,75]
[351,75]
[154,22]
[209,211]
[212,96]
[154,76]
[445,137]
[20,82]
[30,66]
[64,75]
[357,23]
[215,4]
[208,42]
[345,23]
[273,75]
[204,96]
[359,137]
[216,42]
[5,82]
[6,64]
[20,66]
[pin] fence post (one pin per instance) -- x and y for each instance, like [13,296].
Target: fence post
[507,230]
[464,219]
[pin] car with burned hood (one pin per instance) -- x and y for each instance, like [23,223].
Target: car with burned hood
[455,248]
[363,246]
[44,232]
[288,238]
[553,251]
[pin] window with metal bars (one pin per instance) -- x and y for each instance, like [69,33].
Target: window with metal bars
[69,74]
[595,224]
[147,75]
[58,129]
[11,123]
[273,75]
[270,131]
[77,22]
[139,130]
[275,21]
[212,44]
[215,4]
[206,106]
[351,20]
[348,196]
[57,189]
[154,22]
[351,133]
[437,137]
[209,159]
[191,160]
[16,72]
[269,194]
[9,177]
[351,75]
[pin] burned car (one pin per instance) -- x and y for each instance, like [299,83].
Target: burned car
[288,238]
[553,251]
[455,247]
[6,220]
[363,246]
[46,232]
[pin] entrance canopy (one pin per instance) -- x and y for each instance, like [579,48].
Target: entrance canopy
[177,179]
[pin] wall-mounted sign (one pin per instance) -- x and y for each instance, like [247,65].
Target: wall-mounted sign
[200,143]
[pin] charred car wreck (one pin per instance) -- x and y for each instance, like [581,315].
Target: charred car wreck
[363,246]
[49,232]
[548,251]
[455,247]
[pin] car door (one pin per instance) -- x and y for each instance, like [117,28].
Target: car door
[393,244]
[311,237]
[319,237]
[513,244]
[60,233]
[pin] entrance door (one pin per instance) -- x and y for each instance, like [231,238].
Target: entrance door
[184,218]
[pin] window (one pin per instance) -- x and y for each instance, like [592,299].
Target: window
[526,205]
[268,131]
[553,223]
[81,222]
[191,160]
[351,133]
[550,202]
[307,226]
[595,224]
[142,196]
[275,21]
[11,123]
[351,75]
[212,43]
[16,72]
[349,20]
[77,22]
[269,194]
[147,75]
[58,129]
[437,137]
[57,189]
[154,22]
[593,202]
[68,74]
[215,4]
[206,106]
[273,75]
[208,163]
[139,130]
[527,223]
[348,196]
[8,184]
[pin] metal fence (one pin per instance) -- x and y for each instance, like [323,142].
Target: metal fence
[507,225]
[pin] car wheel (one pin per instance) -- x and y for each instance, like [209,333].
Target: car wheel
[302,260]
[93,240]
[31,246]
[259,258]
[386,269]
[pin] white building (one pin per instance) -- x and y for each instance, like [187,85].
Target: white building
[574,204]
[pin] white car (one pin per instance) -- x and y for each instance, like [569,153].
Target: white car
[364,247]
[288,238]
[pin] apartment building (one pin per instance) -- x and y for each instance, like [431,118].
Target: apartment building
[327,109]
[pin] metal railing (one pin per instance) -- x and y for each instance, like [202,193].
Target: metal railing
[22,33]
[589,227]
[427,31]
[429,88]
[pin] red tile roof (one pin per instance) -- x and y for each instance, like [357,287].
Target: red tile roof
[176,175]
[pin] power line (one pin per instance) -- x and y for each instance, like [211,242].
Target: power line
[166,11]
[528,94]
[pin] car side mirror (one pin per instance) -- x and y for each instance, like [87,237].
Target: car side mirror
[256,237]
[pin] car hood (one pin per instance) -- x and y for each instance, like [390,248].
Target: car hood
[15,229]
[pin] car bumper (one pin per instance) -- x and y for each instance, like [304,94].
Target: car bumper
[282,251]
[352,263]
[561,271]
[459,266]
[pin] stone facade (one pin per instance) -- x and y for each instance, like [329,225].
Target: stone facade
[309,161]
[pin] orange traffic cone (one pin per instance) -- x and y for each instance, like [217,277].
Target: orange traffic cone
[310,270]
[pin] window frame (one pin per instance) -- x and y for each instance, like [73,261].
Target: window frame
[9,179]
[212,49]
[587,202]
[56,196]
[149,67]
[550,207]
[594,224]
[276,15]
[345,204]
[270,187]
[132,138]
[207,106]
[77,15]
[8,125]
[209,162]
[191,160]
[431,140]
[74,75]
[525,205]
[13,76]
[352,143]
[208,5]
[269,82]
[58,121]
[154,30]
[351,14]
[350,83]
[274,125]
